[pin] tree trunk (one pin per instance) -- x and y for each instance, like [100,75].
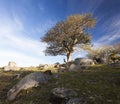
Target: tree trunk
[69,56]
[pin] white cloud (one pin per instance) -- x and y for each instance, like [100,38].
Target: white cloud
[79,54]
[23,44]
[18,22]
[16,46]
[24,51]
[20,58]
[111,27]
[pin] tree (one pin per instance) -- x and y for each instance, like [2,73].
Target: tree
[115,54]
[66,35]
[107,52]
[117,48]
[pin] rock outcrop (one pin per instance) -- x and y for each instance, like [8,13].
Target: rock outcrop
[11,66]
[29,81]
[84,61]
[79,64]
[48,66]
[61,95]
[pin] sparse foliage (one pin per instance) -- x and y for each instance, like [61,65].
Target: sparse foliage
[66,35]
[107,52]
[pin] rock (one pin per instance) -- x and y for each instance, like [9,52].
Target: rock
[11,66]
[43,66]
[62,69]
[57,65]
[74,67]
[48,72]
[75,101]
[61,95]
[84,61]
[29,81]
[47,66]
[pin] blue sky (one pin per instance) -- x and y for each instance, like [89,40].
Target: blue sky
[23,22]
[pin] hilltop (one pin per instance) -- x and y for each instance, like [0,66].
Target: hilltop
[95,85]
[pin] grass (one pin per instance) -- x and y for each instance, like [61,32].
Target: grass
[98,84]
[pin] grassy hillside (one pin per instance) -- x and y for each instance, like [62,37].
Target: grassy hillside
[96,85]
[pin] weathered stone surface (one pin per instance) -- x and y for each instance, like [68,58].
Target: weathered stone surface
[43,66]
[57,65]
[29,81]
[61,95]
[74,67]
[62,69]
[16,76]
[84,61]
[11,66]
[47,66]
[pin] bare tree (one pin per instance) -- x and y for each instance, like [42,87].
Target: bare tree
[66,35]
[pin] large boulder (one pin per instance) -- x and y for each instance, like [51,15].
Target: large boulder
[11,66]
[29,81]
[61,95]
[84,61]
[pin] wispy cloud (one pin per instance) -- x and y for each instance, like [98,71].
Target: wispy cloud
[79,54]
[18,22]
[20,58]
[41,7]
[42,28]
[23,43]
[111,28]
[16,46]
[79,5]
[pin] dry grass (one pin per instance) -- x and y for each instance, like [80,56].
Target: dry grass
[98,84]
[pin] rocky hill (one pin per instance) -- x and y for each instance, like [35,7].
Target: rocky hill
[94,85]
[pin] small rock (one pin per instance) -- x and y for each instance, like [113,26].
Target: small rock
[61,95]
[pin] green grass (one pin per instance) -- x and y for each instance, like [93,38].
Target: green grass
[98,84]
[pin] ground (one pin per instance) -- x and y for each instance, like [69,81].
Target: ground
[99,84]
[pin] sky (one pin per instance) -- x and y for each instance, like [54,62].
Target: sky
[24,22]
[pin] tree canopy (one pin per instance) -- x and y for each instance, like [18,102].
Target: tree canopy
[66,35]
